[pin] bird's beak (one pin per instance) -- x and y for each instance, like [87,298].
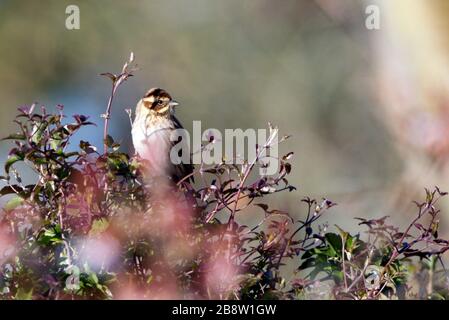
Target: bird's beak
[173,103]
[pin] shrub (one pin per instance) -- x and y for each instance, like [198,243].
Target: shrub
[90,227]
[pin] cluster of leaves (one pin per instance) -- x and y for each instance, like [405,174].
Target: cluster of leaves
[73,191]
[91,226]
[382,266]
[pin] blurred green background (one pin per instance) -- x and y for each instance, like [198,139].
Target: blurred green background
[310,67]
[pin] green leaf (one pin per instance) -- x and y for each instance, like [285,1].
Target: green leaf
[38,132]
[109,141]
[99,226]
[93,278]
[314,273]
[334,241]
[111,76]
[51,236]
[307,264]
[13,203]
[15,136]
[342,232]
[23,294]
[437,296]
[338,275]
[246,281]
[11,160]
[62,173]
[352,243]
[55,143]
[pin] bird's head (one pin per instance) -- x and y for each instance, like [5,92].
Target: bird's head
[159,101]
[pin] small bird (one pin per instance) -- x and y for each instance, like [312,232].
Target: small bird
[151,134]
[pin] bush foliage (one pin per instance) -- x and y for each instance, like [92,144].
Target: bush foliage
[90,227]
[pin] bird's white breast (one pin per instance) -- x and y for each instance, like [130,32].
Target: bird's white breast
[152,143]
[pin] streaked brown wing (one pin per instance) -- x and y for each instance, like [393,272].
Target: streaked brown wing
[183,169]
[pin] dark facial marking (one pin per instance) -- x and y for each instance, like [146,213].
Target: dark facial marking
[161,97]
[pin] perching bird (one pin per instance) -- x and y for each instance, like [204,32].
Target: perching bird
[151,131]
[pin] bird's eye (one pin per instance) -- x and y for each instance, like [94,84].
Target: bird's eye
[160,102]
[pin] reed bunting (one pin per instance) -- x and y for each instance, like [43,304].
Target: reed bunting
[151,134]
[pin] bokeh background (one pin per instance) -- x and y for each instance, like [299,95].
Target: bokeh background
[368,109]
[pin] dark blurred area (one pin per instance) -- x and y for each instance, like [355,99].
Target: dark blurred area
[310,67]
